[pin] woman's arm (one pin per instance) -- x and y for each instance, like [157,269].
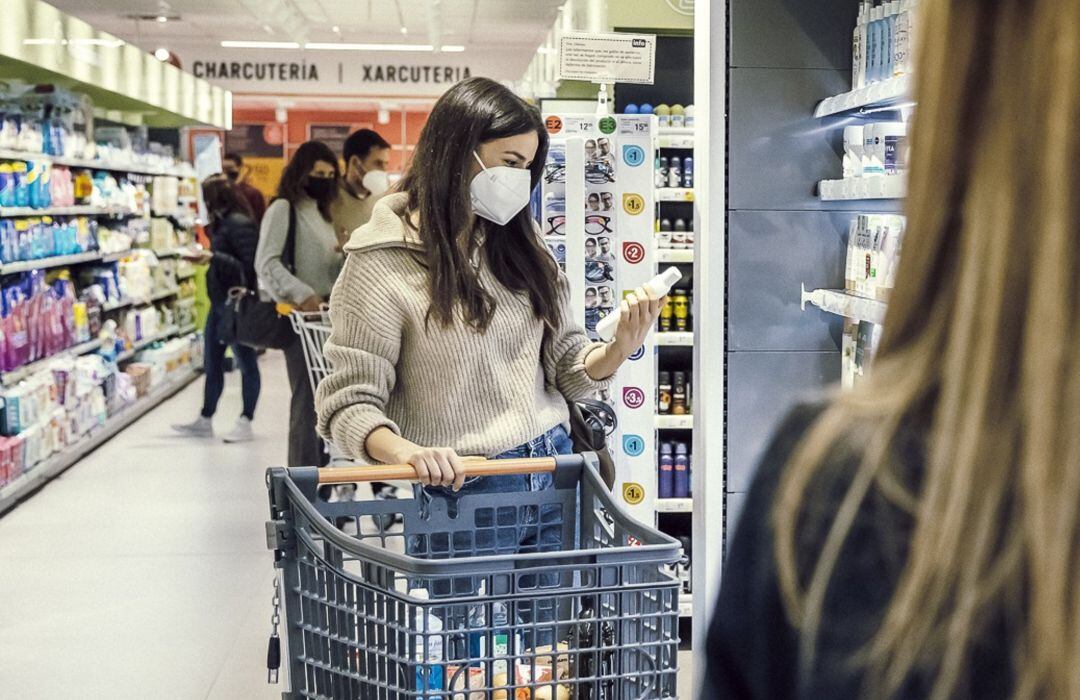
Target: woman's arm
[283,285]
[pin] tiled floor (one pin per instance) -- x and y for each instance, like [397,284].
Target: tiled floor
[143,571]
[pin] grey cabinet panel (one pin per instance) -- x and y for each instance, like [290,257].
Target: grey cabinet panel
[735,502]
[770,253]
[792,33]
[762,388]
[779,151]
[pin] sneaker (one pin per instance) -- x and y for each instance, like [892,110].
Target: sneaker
[241,432]
[201,427]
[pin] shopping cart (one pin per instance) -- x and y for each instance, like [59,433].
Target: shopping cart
[313,327]
[451,604]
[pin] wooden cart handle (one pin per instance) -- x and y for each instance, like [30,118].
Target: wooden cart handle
[406,472]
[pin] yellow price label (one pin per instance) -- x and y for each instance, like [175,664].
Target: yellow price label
[634,204]
[633,493]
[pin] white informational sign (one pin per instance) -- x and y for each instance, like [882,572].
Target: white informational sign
[607,58]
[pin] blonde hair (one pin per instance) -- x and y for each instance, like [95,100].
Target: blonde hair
[982,349]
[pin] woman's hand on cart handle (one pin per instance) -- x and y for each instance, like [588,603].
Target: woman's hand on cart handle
[311,304]
[435,466]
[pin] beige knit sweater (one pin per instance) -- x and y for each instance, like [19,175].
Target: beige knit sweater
[481,394]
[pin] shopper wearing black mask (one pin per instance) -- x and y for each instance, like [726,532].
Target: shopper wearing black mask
[307,190]
[233,167]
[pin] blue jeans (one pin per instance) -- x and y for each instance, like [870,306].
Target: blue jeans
[551,444]
[247,361]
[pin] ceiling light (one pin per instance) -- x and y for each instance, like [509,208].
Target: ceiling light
[452,48]
[260,44]
[344,46]
[404,29]
[162,19]
[336,29]
[162,54]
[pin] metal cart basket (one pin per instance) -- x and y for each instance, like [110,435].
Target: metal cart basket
[554,594]
[313,327]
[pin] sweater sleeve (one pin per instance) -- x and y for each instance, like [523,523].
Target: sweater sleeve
[283,285]
[362,351]
[565,350]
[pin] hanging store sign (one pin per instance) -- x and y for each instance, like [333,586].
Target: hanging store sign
[607,58]
[344,73]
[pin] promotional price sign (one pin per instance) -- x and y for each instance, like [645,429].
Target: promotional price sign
[596,214]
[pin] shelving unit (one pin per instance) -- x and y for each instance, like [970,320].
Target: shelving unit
[686,605]
[674,194]
[34,479]
[7,154]
[665,422]
[675,339]
[20,373]
[675,505]
[121,304]
[890,94]
[846,304]
[877,187]
[12,212]
[145,342]
[674,256]
[676,137]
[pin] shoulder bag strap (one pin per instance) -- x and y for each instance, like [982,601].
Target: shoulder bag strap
[288,253]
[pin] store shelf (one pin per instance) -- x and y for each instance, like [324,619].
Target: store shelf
[145,342]
[889,94]
[859,188]
[114,256]
[170,253]
[673,256]
[185,275]
[34,479]
[20,373]
[674,194]
[686,605]
[675,339]
[190,328]
[12,212]
[674,505]
[121,304]
[46,263]
[7,154]
[676,137]
[846,304]
[674,422]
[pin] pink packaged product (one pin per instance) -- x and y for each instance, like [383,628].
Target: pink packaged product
[6,476]
[18,466]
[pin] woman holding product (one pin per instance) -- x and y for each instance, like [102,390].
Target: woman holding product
[452,330]
[919,535]
[303,278]
[234,237]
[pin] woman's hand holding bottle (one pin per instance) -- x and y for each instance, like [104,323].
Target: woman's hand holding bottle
[637,316]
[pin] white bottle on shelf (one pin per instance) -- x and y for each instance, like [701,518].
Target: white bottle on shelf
[858,49]
[853,151]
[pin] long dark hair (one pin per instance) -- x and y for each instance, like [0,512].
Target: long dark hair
[473,112]
[222,199]
[291,187]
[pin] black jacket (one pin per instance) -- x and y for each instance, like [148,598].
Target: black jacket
[753,650]
[233,242]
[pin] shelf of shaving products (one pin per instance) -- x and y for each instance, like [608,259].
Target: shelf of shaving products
[892,94]
[846,304]
[859,188]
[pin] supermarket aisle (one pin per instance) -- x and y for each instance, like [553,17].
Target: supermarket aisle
[144,570]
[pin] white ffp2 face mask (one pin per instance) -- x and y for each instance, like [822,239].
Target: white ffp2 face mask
[499,193]
[376,182]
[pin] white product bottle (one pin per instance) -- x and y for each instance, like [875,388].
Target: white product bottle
[873,39]
[659,286]
[849,281]
[902,40]
[858,50]
[853,150]
[890,143]
[871,165]
[429,650]
[689,116]
[891,9]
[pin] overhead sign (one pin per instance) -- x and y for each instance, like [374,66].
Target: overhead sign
[344,73]
[607,58]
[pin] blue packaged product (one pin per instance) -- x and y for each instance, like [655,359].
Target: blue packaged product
[645,109]
[665,484]
[22,192]
[631,109]
[7,185]
[688,173]
[682,471]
